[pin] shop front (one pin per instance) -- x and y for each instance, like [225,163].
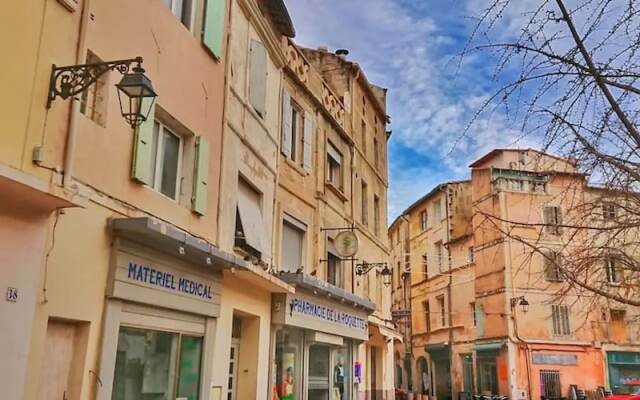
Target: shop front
[316,334]
[163,300]
[624,371]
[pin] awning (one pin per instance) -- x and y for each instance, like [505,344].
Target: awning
[491,346]
[437,350]
[317,286]
[168,239]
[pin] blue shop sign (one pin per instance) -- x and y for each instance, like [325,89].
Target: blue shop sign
[155,277]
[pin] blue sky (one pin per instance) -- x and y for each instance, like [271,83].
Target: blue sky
[410,47]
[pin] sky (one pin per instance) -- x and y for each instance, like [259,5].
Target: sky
[411,47]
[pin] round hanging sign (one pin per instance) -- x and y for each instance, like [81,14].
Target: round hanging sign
[346,244]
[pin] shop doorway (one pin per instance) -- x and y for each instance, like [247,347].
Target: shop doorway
[374,373]
[319,356]
[233,370]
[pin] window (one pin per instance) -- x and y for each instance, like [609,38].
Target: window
[293,232]
[288,360]
[609,211]
[424,220]
[258,77]
[250,230]
[335,274]
[93,100]
[612,269]
[522,158]
[427,316]
[166,157]
[334,166]
[442,310]
[487,375]
[376,153]
[550,385]
[553,220]
[376,215]
[165,364]
[363,132]
[364,199]
[437,211]
[182,9]
[294,138]
[472,255]
[474,316]
[560,319]
[425,268]
[552,266]
[439,255]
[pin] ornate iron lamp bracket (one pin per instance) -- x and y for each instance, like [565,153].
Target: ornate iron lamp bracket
[73,79]
[363,268]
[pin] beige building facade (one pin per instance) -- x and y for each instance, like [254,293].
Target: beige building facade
[151,262]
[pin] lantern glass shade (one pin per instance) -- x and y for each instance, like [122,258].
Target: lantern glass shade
[136,97]
[525,305]
[386,275]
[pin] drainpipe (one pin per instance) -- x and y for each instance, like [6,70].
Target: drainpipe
[450,284]
[75,105]
[406,297]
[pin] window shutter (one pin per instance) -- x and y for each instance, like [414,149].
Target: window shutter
[287,124]
[480,320]
[307,144]
[141,165]
[258,78]
[547,218]
[200,177]
[213,31]
[558,212]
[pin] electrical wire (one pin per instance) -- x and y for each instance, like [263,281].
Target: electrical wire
[46,257]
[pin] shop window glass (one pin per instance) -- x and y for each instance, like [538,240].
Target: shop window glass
[318,372]
[488,376]
[341,374]
[288,364]
[147,365]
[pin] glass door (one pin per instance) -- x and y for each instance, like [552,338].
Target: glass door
[233,370]
[319,356]
[341,376]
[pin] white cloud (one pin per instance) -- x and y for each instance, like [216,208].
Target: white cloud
[429,104]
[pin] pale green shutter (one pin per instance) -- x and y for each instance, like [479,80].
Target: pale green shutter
[285,146]
[213,31]
[479,320]
[200,177]
[141,166]
[258,77]
[307,144]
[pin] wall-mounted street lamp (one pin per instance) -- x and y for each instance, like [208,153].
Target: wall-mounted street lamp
[520,301]
[364,267]
[134,87]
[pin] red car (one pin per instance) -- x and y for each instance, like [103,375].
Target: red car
[631,391]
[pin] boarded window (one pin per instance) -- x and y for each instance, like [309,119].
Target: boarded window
[258,77]
[442,310]
[609,211]
[376,214]
[553,220]
[437,211]
[618,326]
[560,320]
[552,266]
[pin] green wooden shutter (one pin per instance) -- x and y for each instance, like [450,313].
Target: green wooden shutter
[212,34]
[285,146]
[258,77]
[142,149]
[200,177]
[307,144]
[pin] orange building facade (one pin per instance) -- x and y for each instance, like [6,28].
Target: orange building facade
[489,319]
